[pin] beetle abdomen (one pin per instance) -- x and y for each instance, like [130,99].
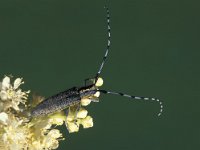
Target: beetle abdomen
[57,102]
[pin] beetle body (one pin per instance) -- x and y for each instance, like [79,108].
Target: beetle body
[63,100]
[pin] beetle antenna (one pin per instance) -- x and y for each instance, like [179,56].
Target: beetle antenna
[108,43]
[135,97]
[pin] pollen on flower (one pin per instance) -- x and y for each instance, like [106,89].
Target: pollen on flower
[87,122]
[85,101]
[99,82]
[82,113]
[97,94]
[19,132]
[75,119]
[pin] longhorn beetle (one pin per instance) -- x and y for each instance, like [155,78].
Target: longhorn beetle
[73,96]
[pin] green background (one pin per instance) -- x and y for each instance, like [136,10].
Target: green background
[155,51]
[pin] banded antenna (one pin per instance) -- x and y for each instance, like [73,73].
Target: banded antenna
[102,64]
[108,43]
[135,97]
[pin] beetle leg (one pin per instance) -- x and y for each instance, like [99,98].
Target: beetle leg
[89,79]
[66,111]
[76,112]
[94,99]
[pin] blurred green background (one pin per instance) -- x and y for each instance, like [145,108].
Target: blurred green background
[56,44]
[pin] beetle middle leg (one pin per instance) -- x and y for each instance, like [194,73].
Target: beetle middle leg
[67,111]
[76,113]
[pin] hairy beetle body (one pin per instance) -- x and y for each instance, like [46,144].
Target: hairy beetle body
[62,100]
[57,102]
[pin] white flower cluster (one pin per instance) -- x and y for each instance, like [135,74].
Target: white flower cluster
[73,123]
[74,119]
[11,95]
[16,133]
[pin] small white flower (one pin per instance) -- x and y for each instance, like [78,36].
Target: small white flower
[15,135]
[54,133]
[82,113]
[87,122]
[85,101]
[6,82]
[17,83]
[73,123]
[97,94]
[56,121]
[3,118]
[72,126]
[50,140]
[3,95]
[99,82]
[11,95]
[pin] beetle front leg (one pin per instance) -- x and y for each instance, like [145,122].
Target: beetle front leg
[94,99]
[89,79]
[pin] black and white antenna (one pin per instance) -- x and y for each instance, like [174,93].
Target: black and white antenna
[108,43]
[102,65]
[136,98]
